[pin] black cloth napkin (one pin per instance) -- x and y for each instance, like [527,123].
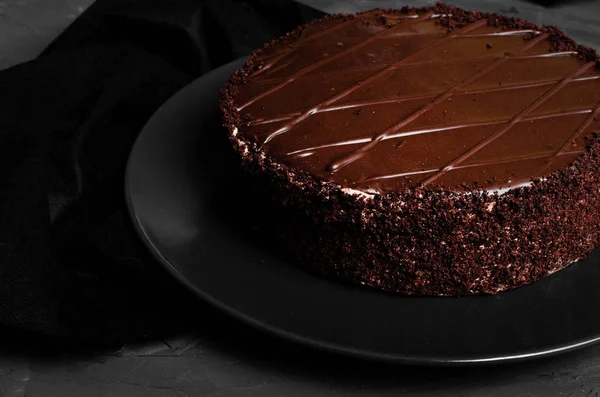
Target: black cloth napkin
[71,266]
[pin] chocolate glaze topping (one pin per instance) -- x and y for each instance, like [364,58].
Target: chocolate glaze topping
[390,99]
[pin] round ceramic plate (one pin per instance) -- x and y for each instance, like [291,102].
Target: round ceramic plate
[185,199]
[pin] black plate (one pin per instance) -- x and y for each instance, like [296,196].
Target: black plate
[188,208]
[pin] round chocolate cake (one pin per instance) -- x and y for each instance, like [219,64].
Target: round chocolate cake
[426,150]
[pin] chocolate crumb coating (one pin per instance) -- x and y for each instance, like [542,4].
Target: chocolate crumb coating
[436,230]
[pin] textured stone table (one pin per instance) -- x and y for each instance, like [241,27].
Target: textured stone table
[221,357]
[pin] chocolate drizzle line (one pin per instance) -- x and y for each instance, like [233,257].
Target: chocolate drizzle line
[582,128]
[316,65]
[512,122]
[336,165]
[263,68]
[315,109]
[359,104]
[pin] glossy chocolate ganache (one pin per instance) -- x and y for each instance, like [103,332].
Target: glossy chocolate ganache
[426,113]
[386,100]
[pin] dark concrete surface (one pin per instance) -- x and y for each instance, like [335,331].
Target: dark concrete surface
[221,357]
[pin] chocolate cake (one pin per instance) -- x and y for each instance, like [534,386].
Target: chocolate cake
[430,151]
